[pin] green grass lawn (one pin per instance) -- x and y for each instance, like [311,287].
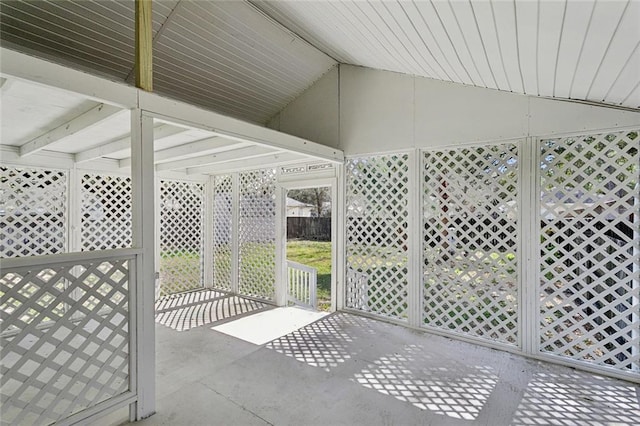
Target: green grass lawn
[316,254]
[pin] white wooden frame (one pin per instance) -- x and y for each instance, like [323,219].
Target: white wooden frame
[145,107]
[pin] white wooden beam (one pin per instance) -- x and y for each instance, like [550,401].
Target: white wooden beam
[242,153]
[84,121]
[272,160]
[232,128]
[160,132]
[204,146]
[20,66]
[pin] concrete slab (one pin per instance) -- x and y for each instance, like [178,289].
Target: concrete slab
[345,369]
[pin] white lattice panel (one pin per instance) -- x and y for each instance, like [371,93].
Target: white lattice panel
[181,236]
[65,339]
[222,231]
[106,212]
[32,212]
[257,233]
[377,220]
[589,219]
[470,213]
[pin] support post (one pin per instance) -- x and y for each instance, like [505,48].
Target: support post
[142,174]
[144,46]
[235,234]
[414,241]
[282,281]
[208,233]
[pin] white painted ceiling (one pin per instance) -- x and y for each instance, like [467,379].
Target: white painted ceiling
[31,112]
[248,59]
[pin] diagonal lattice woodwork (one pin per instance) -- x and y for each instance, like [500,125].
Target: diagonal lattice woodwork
[222,231]
[470,211]
[181,236]
[256,233]
[377,219]
[589,245]
[33,205]
[106,212]
[65,338]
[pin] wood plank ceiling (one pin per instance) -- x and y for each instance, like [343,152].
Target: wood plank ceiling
[248,59]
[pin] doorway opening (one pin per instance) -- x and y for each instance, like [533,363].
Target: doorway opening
[309,247]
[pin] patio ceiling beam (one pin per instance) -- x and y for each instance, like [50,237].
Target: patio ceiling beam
[84,121]
[236,154]
[159,132]
[271,160]
[192,149]
[204,146]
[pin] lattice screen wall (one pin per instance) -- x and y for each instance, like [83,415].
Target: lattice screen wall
[181,236]
[106,212]
[589,223]
[256,233]
[377,235]
[222,231]
[65,338]
[33,203]
[470,247]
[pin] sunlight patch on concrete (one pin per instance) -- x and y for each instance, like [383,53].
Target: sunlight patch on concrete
[266,326]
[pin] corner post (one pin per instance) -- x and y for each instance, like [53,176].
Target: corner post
[143,206]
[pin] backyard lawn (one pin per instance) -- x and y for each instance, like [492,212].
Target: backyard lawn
[316,254]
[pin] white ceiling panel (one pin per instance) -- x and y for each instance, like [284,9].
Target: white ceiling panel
[579,49]
[249,59]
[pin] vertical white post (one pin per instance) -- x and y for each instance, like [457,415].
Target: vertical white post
[340,260]
[414,241]
[208,233]
[157,218]
[142,176]
[528,246]
[73,211]
[335,218]
[281,246]
[235,234]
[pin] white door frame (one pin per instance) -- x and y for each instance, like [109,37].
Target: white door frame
[304,182]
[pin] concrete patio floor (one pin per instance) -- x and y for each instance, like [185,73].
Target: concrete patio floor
[345,369]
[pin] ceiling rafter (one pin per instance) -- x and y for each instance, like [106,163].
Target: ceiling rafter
[84,121]
[271,160]
[160,132]
[242,153]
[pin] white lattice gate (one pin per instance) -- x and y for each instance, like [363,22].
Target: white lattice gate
[256,234]
[377,235]
[470,248]
[589,249]
[223,232]
[181,236]
[33,211]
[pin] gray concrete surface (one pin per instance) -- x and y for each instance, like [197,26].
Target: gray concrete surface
[348,370]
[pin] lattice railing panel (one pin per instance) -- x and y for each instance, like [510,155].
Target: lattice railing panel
[65,338]
[106,212]
[589,219]
[256,232]
[470,215]
[181,236]
[377,220]
[33,213]
[222,231]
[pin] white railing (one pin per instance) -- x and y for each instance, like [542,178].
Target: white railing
[67,348]
[302,280]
